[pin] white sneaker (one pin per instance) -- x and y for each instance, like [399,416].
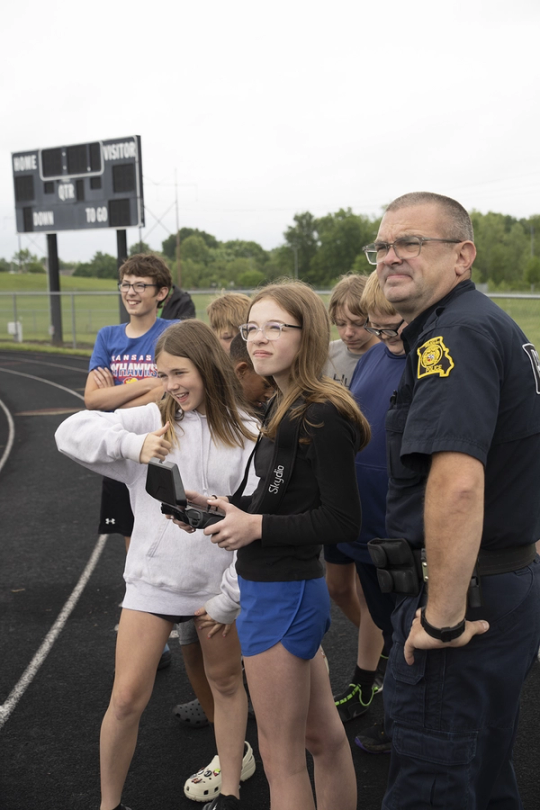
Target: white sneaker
[206,783]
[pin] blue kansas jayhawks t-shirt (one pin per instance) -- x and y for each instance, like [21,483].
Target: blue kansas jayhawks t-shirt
[127,358]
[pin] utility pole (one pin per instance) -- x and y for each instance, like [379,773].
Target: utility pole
[178,268]
[294,248]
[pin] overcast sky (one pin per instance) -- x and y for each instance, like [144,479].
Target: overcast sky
[269,109]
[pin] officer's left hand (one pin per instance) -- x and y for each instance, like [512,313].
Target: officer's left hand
[237,528]
[419,640]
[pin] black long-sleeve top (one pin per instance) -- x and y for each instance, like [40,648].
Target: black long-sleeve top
[321,503]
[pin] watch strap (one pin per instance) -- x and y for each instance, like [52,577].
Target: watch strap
[444,634]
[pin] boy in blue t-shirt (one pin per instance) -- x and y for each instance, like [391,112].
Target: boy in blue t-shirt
[375,378]
[122,372]
[122,369]
[124,353]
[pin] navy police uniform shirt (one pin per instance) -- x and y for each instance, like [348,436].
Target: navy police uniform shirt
[471,385]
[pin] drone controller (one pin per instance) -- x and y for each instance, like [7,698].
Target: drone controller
[164,483]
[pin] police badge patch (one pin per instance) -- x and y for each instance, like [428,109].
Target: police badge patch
[434,358]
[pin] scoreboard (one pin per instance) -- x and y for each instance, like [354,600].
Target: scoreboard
[88,185]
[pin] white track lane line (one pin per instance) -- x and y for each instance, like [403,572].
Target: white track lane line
[11,435]
[41,379]
[33,667]
[44,363]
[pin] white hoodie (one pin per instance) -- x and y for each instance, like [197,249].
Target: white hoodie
[167,570]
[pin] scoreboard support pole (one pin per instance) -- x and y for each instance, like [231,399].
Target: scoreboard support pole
[121,247]
[57,338]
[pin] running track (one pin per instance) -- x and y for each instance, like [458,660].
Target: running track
[60,587]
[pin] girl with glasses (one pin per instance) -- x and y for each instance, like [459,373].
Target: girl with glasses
[285,607]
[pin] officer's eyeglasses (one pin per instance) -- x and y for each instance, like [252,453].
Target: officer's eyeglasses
[138,287]
[386,332]
[408,247]
[271,330]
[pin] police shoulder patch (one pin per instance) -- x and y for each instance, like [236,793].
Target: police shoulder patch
[434,358]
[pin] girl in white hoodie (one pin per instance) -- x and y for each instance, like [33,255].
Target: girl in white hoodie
[170,575]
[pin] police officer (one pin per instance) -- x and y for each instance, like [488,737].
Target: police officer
[463,436]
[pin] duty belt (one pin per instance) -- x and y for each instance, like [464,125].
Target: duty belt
[490,561]
[401,568]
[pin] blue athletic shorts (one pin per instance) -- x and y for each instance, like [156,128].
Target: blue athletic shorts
[296,613]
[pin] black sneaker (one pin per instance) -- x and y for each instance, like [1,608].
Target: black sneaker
[353,703]
[374,740]
[223,803]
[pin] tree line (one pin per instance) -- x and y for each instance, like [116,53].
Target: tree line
[319,250]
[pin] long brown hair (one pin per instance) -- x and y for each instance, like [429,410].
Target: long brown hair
[306,380]
[196,341]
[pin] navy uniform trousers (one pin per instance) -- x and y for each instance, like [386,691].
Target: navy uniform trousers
[453,714]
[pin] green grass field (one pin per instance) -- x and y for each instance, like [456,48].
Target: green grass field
[94,304]
[88,305]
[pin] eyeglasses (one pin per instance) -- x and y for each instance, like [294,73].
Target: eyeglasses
[408,247]
[386,332]
[271,330]
[138,287]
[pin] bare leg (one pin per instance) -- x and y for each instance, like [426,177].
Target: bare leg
[279,685]
[370,637]
[335,778]
[222,662]
[127,541]
[141,637]
[341,581]
[194,663]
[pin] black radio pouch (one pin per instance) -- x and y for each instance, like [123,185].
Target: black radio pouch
[396,565]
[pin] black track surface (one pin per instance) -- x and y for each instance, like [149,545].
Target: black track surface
[48,531]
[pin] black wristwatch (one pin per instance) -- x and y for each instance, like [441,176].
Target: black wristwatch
[444,634]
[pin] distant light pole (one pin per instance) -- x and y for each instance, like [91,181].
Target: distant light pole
[178,265]
[294,248]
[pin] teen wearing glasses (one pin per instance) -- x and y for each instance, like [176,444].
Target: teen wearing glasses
[346,312]
[285,607]
[376,377]
[124,353]
[122,372]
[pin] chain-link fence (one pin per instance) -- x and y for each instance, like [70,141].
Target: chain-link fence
[25,316]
